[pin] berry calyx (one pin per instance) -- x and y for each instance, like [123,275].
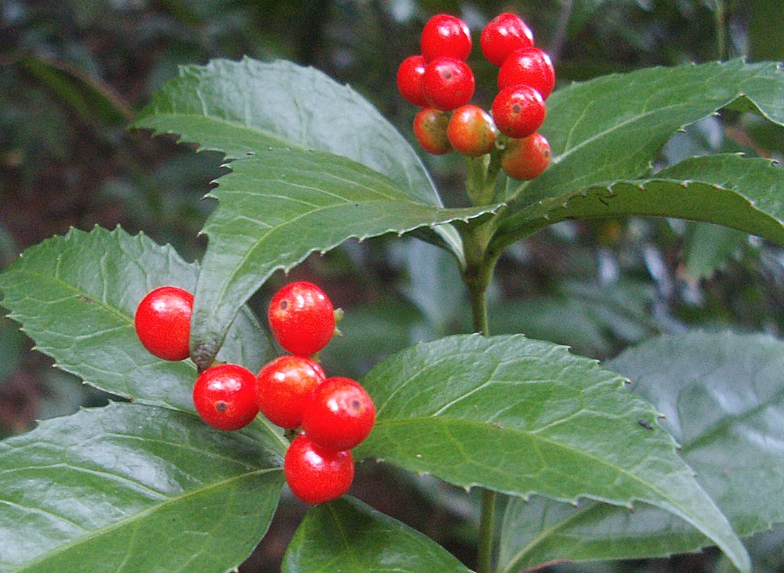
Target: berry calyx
[503,35]
[518,111]
[339,414]
[301,318]
[447,83]
[409,80]
[283,385]
[529,66]
[163,322]
[471,131]
[445,35]
[316,474]
[526,158]
[430,126]
[225,397]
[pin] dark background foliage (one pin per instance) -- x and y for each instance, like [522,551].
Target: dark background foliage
[73,74]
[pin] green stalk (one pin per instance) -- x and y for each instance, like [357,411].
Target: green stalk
[481,175]
[477,279]
[486,532]
[720,17]
[477,276]
[478,289]
[478,273]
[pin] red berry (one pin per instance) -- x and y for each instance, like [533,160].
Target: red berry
[339,414]
[283,385]
[302,318]
[526,158]
[518,111]
[445,35]
[529,66]
[225,396]
[430,127]
[448,83]
[471,131]
[409,80]
[316,474]
[163,322]
[503,35]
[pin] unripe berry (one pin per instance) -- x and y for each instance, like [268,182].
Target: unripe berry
[471,131]
[529,66]
[409,80]
[518,111]
[448,83]
[526,158]
[316,474]
[430,127]
[503,35]
[163,322]
[445,35]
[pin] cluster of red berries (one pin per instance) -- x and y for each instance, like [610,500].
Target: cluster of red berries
[331,415]
[440,82]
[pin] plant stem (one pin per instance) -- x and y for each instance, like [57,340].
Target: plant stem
[720,17]
[479,306]
[486,532]
[477,276]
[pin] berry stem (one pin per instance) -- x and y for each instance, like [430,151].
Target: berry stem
[482,173]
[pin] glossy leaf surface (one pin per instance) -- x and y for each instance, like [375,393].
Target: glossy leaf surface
[278,207]
[729,190]
[527,417]
[349,536]
[76,295]
[313,164]
[134,488]
[607,132]
[723,399]
[613,127]
[241,108]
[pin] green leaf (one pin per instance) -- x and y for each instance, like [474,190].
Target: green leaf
[348,536]
[92,99]
[135,488]
[249,106]
[581,13]
[76,295]
[314,163]
[606,133]
[281,205]
[527,417]
[708,248]
[729,190]
[723,398]
[592,318]
[613,127]
[12,348]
